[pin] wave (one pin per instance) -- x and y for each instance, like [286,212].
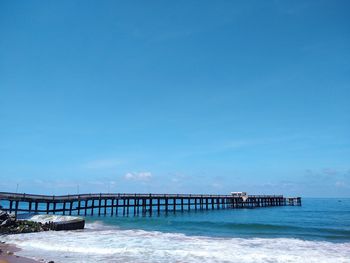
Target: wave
[234,229]
[265,227]
[101,243]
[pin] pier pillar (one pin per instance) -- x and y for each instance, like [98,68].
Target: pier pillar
[166,205]
[92,206]
[79,204]
[105,207]
[16,207]
[85,206]
[127,206]
[64,208]
[150,206]
[99,206]
[158,205]
[124,206]
[70,207]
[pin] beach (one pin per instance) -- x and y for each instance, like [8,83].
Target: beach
[8,255]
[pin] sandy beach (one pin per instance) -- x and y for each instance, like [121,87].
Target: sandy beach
[8,255]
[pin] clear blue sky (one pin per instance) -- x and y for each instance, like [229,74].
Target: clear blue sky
[175,96]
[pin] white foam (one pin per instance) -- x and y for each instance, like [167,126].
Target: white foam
[99,243]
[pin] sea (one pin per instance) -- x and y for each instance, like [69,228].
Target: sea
[318,231]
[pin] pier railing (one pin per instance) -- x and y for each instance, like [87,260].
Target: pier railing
[122,203]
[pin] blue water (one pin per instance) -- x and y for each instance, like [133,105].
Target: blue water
[316,232]
[316,219]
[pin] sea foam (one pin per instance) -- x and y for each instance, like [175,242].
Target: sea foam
[100,243]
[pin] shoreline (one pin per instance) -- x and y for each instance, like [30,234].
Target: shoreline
[8,255]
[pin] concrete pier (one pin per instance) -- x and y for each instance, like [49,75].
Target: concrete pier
[126,204]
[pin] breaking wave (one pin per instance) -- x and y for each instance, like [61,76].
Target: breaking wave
[103,243]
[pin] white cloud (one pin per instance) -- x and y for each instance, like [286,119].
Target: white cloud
[216,185]
[138,176]
[341,184]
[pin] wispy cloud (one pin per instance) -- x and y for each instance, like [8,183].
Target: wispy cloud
[341,184]
[326,174]
[138,176]
[102,164]
[246,143]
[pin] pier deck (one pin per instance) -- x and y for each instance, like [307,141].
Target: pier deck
[125,204]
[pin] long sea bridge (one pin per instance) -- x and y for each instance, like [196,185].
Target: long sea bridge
[126,204]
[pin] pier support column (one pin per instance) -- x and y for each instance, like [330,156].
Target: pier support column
[92,206]
[166,205]
[158,205]
[11,204]
[64,208]
[99,206]
[105,207]
[79,204]
[70,207]
[150,206]
[16,207]
[85,207]
[127,206]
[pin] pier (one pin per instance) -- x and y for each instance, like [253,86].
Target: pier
[134,204]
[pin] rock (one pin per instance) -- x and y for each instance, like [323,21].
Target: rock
[9,224]
[57,222]
[9,253]
[3,215]
[51,261]
[5,223]
[12,216]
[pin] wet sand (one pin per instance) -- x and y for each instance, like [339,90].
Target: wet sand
[8,255]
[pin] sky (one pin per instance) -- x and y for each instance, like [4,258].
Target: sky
[175,97]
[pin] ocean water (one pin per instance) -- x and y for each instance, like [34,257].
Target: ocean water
[318,231]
